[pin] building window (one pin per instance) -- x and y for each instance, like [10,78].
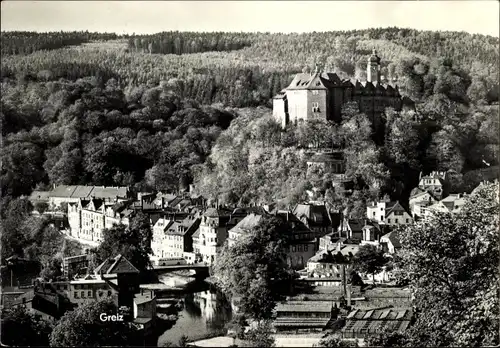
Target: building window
[407,221]
[306,247]
[396,221]
[389,221]
[315,92]
[83,294]
[75,295]
[89,293]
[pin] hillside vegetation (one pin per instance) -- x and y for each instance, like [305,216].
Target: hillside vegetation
[92,108]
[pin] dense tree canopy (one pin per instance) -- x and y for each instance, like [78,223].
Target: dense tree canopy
[254,269]
[452,264]
[133,242]
[22,329]
[83,327]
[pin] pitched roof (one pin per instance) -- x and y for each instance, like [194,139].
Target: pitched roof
[196,233]
[418,192]
[297,226]
[248,223]
[119,264]
[305,306]
[80,191]
[62,191]
[315,214]
[391,207]
[393,238]
[39,196]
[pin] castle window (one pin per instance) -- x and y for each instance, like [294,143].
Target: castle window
[315,92]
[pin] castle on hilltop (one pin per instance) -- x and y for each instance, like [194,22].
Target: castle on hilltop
[321,96]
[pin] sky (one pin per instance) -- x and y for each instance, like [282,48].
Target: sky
[145,17]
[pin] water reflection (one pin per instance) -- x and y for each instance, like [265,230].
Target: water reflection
[205,312]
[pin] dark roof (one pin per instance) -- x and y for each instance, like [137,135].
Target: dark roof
[213,212]
[394,238]
[315,215]
[393,207]
[119,264]
[297,226]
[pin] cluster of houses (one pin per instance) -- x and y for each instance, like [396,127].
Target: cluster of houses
[184,227]
[322,246]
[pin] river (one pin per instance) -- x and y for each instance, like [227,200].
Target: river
[205,312]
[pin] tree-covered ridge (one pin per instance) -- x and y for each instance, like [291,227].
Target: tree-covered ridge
[91,131]
[189,42]
[26,42]
[253,74]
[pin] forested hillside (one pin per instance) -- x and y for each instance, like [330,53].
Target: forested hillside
[132,113]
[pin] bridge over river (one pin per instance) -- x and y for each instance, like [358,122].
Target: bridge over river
[202,271]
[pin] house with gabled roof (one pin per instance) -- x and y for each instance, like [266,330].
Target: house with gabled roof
[89,217]
[435,182]
[72,194]
[390,242]
[315,216]
[388,213]
[419,199]
[453,203]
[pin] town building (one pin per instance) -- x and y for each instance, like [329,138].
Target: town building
[453,203]
[304,315]
[144,311]
[420,199]
[328,268]
[315,216]
[328,161]
[390,242]
[244,227]
[363,323]
[322,95]
[121,275]
[73,194]
[75,265]
[172,239]
[303,241]
[388,213]
[436,183]
[211,234]
[88,218]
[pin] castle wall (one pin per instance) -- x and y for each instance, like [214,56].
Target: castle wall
[297,105]
[319,97]
[279,111]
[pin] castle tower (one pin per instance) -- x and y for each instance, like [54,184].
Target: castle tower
[373,68]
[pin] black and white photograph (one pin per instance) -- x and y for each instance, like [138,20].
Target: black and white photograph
[250,173]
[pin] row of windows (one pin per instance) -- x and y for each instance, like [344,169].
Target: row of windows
[89,294]
[300,248]
[396,221]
